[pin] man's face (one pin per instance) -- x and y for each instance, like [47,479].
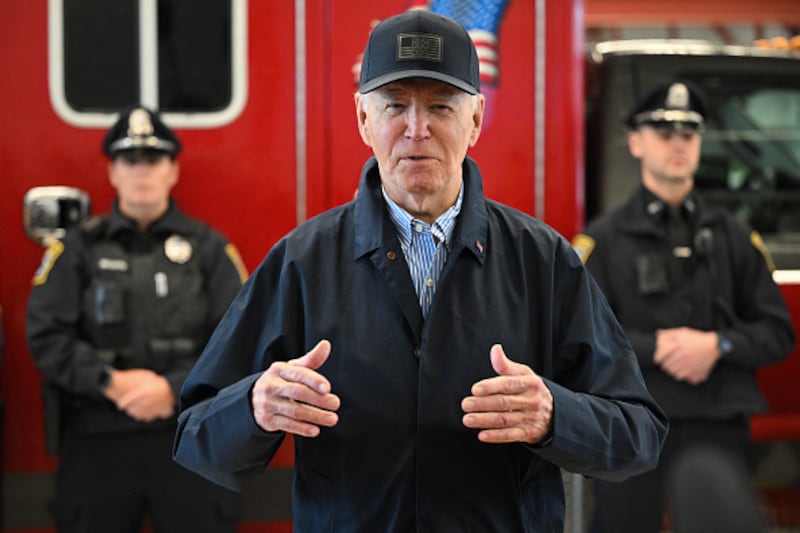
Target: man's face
[419,131]
[668,156]
[143,182]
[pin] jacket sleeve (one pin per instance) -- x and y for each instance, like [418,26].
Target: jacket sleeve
[53,315]
[217,436]
[605,423]
[761,330]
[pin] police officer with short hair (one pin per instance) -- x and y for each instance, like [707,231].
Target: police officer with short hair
[693,291]
[120,309]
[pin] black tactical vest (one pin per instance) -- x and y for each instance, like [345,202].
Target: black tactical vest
[142,310]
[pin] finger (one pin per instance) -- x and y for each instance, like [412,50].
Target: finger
[303,369]
[513,378]
[295,427]
[302,395]
[673,370]
[301,412]
[315,357]
[510,434]
[296,384]
[503,365]
[507,427]
[662,354]
[498,358]
[493,420]
[298,418]
[496,403]
[129,400]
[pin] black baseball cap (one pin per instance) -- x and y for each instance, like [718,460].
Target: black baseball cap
[420,44]
[140,129]
[675,104]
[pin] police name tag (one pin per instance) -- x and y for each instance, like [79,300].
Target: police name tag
[116,265]
[682,252]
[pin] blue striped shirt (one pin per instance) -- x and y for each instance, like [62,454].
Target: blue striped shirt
[425,246]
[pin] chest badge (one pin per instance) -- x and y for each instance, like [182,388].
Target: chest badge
[177,249]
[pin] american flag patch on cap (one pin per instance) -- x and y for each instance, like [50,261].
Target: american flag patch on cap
[411,46]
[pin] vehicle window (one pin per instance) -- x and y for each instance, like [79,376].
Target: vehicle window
[751,155]
[178,56]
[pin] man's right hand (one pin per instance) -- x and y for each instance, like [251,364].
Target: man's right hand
[293,397]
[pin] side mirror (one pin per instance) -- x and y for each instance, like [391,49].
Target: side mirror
[47,212]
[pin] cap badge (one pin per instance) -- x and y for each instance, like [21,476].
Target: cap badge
[425,46]
[678,96]
[139,123]
[177,249]
[654,207]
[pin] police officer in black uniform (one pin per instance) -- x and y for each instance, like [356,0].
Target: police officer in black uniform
[120,309]
[692,288]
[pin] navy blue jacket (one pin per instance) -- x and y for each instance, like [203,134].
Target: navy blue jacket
[400,458]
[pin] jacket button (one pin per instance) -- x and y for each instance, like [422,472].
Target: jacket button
[391,255]
[416,352]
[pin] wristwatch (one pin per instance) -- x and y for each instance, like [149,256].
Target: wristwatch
[724,344]
[105,379]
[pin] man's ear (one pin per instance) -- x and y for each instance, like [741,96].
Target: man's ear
[112,177]
[477,120]
[361,117]
[176,173]
[635,143]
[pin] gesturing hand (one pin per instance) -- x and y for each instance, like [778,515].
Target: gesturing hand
[291,396]
[515,406]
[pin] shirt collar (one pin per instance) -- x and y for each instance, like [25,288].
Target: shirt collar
[442,227]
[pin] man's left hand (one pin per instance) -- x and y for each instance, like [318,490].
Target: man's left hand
[515,406]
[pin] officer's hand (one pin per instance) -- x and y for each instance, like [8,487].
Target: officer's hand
[291,396]
[686,354]
[515,406]
[147,395]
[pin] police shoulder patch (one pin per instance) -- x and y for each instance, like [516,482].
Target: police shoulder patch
[233,254]
[758,244]
[48,261]
[583,246]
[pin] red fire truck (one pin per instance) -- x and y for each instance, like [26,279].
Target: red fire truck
[260,93]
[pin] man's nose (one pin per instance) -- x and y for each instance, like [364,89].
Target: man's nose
[416,122]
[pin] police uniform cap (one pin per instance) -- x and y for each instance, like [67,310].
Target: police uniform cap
[671,105]
[140,129]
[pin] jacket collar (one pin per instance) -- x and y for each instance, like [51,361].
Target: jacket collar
[374,228]
[173,221]
[644,212]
